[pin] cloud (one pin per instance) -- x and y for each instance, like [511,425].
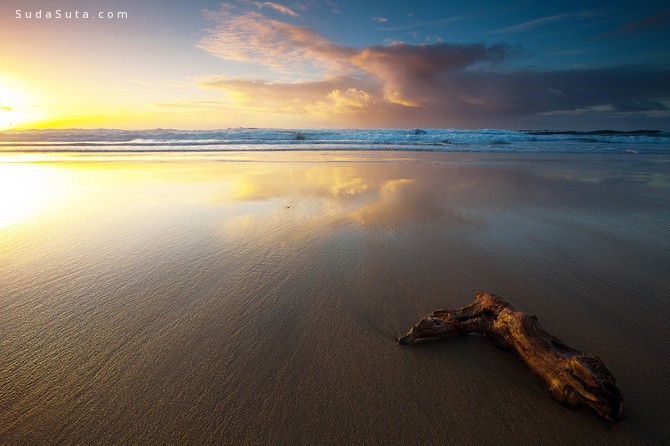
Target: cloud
[638,26]
[344,99]
[193,105]
[380,19]
[252,37]
[304,5]
[349,102]
[640,106]
[334,7]
[139,82]
[283,92]
[422,24]
[525,26]
[494,96]
[352,98]
[457,98]
[383,77]
[441,84]
[277,7]
[405,70]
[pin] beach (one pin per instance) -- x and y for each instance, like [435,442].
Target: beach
[256,297]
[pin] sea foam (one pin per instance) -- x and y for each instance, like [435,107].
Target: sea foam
[448,140]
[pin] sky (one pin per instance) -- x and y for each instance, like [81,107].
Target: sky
[202,64]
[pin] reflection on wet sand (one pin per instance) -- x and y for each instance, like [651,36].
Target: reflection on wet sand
[337,194]
[254,298]
[26,190]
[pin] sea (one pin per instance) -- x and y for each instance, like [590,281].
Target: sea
[256,139]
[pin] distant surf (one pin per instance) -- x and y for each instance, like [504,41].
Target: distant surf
[256,139]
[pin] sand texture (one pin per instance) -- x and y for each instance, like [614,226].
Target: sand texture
[240,298]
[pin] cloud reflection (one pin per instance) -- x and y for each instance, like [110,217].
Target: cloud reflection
[327,194]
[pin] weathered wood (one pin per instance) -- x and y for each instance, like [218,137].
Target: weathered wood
[573,377]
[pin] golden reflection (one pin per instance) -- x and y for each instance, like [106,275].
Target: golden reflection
[331,181]
[307,195]
[64,188]
[25,190]
[401,200]
[252,187]
[303,195]
[336,180]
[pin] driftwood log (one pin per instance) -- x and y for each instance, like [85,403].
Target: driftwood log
[573,377]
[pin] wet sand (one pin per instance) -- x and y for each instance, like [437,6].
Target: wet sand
[240,298]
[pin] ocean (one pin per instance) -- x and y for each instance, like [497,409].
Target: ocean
[252,139]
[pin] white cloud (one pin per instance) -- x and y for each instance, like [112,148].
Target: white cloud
[277,7]
[253,37]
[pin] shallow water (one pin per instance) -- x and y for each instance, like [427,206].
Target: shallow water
[254,298]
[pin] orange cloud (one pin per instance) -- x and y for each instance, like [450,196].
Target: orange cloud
[351,98]
[401,85]
[337,98]
[394,70]
[351,102]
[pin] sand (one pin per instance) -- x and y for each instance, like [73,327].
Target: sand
[238,298]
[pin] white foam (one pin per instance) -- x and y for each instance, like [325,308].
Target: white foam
[488,140]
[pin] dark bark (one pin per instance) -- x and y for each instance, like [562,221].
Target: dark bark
[573,377]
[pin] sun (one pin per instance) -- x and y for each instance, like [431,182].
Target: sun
[17,107]
[11,102]
[7,117]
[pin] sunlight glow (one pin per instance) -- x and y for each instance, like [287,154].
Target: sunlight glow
[25,190]
[17,107]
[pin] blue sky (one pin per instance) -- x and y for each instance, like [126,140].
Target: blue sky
[339,63]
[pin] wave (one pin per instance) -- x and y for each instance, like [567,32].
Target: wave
[457,140]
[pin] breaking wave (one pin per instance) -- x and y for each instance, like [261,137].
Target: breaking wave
[448,140]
